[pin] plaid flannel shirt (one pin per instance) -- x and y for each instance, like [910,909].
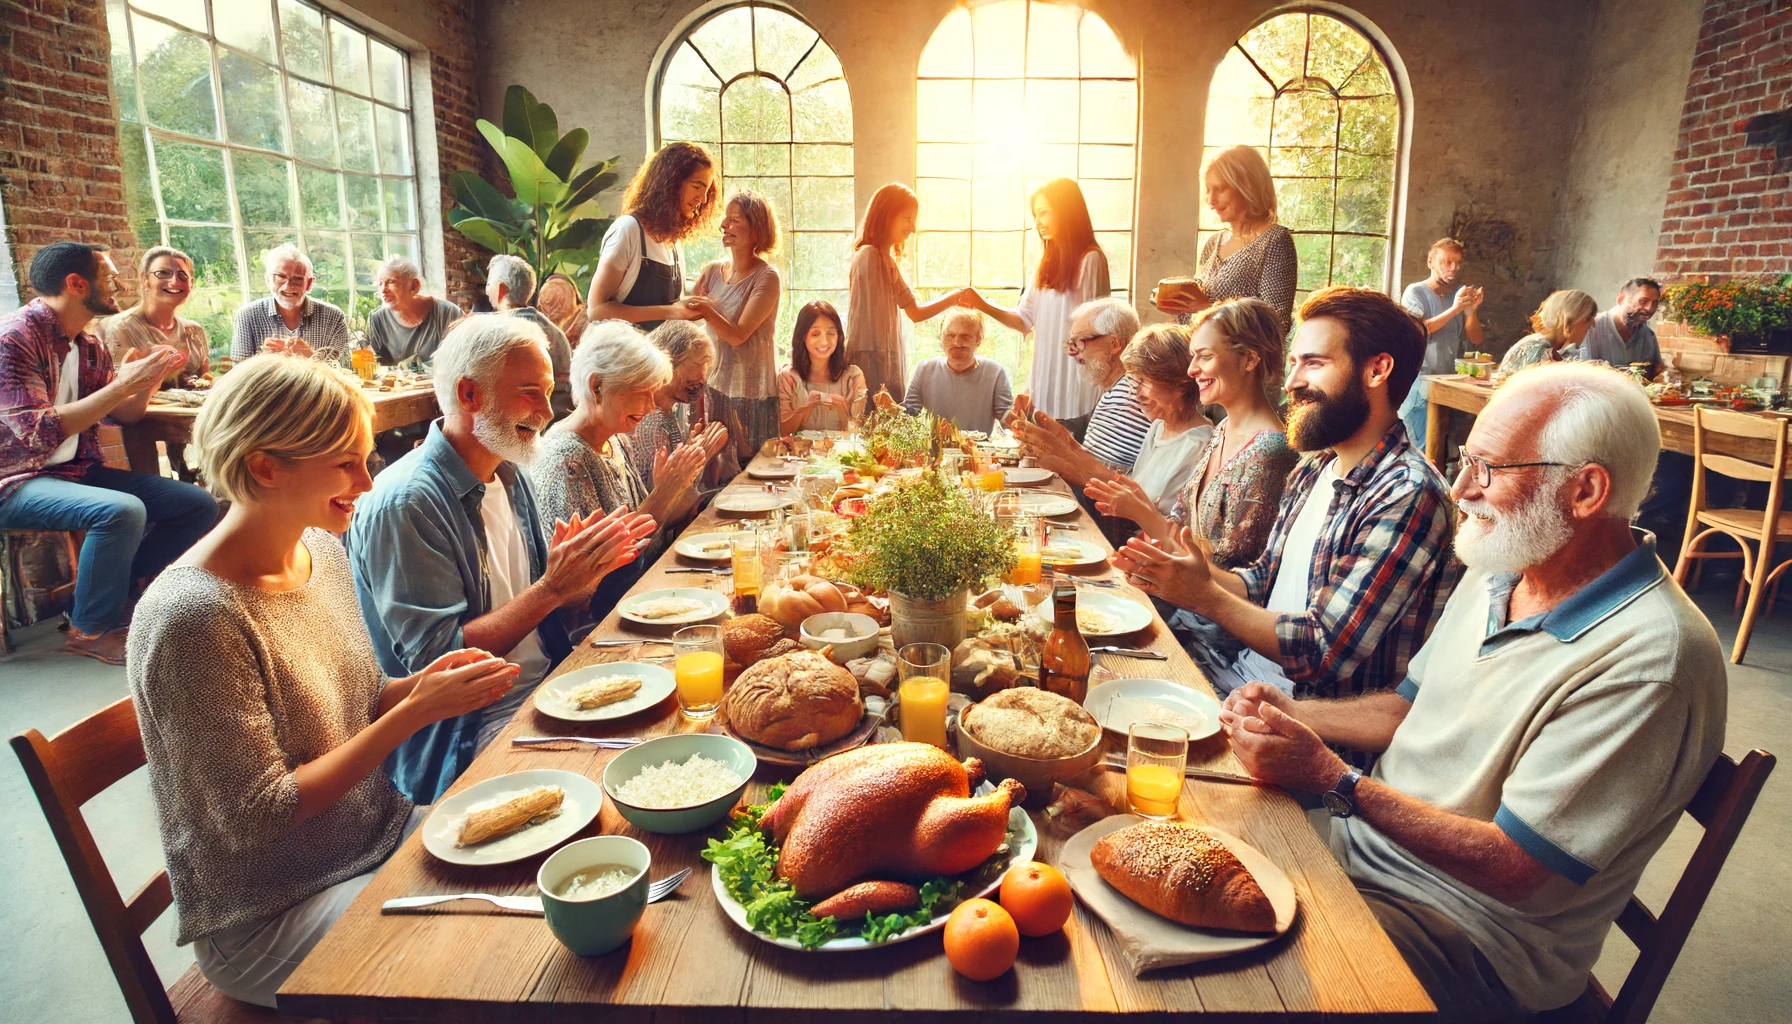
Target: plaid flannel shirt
[1380,575]
[30,430]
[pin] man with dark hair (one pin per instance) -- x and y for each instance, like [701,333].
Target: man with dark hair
[1356,568]
[1621,335]
[57,382]
[1451,312]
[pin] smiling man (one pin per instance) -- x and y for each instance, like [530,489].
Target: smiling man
[962,386]
[449,550]
[289,320]
[1357,565]
[1548,735]
[1100,330]
[409,325]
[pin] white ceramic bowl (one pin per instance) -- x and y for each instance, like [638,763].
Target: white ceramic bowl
[861,628]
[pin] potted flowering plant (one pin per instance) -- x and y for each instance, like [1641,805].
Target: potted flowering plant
[1748,313]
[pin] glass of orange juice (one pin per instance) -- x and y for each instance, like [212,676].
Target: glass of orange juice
[364,362]
[697,670]
[1155,758]
[1029,551]
[922,671]
[987,473]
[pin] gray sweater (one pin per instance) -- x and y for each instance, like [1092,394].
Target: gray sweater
[235,688]
[973,400]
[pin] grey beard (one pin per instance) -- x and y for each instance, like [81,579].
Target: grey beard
[1517,540]
[502,440]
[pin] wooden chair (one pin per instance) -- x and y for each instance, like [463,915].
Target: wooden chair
[1722,805]
[66,771]
[1763,527]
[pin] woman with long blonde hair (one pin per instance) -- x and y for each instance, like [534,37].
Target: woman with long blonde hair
[640,274]
[1561,322]
[1254,257]
[877,292]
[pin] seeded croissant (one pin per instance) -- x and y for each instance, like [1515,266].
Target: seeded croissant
[511,816]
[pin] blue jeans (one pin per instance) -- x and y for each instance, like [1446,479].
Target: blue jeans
[1413,413]
[136,524]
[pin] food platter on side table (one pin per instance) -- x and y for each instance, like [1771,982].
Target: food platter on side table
[1119,703]
[552,698]
[441,830]
[708,605]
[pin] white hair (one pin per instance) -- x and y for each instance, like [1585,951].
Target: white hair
[1603,417]
[682,340]
[515,274]
[620,357]
[400,268]
[285,253]
[476,349]
[1109,316]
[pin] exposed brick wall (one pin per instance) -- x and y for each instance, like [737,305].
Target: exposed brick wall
[1729,213]
[58,142]
[459,145]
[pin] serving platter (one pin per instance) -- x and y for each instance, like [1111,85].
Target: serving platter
[864,733]
[551,698]
[780,471]
[1022,842]
[1044,504]
[701,546]
[713,606]
[1129,616]
[1119,703]
[584,798]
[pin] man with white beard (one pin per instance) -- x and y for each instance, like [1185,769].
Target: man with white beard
[449,551]
[1549,733]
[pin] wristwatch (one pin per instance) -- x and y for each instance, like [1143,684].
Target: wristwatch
[1340,800]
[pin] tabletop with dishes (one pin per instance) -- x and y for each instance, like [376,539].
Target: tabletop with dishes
[763,785]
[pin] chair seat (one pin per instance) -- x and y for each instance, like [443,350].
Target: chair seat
[1744,520]
[197,1002]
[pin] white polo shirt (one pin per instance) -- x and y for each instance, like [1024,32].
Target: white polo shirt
[1582,733]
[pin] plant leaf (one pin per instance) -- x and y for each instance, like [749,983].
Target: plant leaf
[482,199]
[577,235]
[485,232]
[566,153]
[530,179]
[530,120]
[577,197]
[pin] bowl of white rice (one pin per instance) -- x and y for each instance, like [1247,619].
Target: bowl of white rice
[681,783]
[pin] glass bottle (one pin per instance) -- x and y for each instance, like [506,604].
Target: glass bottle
[1064,664]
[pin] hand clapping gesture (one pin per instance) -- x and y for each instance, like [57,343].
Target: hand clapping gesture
[458,682]
[1123,497]
[288,347]
[677,470]
[1274,744]
[142,370]
[582,552]
[1178,571]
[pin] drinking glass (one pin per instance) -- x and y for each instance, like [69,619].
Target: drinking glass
[923,671]
[697,670]
[1155,758]
[747,559]
[1029,551]
[796,533]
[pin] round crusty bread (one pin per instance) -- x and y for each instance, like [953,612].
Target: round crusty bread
[1183,873]
[794,702]
[1029,722]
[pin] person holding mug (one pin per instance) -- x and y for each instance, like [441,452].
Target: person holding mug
[1253,258]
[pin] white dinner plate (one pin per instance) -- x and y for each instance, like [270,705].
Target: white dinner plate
[750,502]
[1022,839]
[703,546]
[1070,553]
[713,605]
[1129,616]
[776,471]
[1042,504]
[656,685]
[1026,476]
[584,798]
[1118,703]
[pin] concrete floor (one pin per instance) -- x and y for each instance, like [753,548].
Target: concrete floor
[1737,965]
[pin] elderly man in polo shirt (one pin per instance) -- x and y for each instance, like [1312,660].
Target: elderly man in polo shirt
[1547,737]
[289,320]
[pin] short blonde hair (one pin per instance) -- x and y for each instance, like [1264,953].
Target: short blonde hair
[757,211]
[1561,309]
[957,313]
[285,407]
[1244,168]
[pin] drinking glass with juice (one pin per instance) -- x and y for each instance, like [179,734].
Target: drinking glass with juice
[697,670]
[1029,552]
[922,672]
[748,564]
[987,473]
[364,362]
[1156,756]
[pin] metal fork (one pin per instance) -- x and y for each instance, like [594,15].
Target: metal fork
[656,891]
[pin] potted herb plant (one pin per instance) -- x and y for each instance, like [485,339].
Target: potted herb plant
[926,545]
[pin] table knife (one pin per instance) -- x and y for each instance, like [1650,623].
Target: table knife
[712,572]
[1130,652]
[1192,772]
[612,743]
[526,904]
[627,643]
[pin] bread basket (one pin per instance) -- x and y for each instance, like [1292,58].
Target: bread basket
[1034,773]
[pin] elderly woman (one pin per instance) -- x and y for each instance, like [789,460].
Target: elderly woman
[559,301]
[1158,357]
[586,463]
[1254,257]
[742,293]
[509,285]
[1561,322]
[265,715]
[680,415]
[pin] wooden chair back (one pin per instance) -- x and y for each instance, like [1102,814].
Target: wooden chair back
[1740,424]
[66,771]
[1722,806]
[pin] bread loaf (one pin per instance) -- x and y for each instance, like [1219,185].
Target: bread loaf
[747,638]
[1029,722]
[798,598]
[794,702]
[1184,874]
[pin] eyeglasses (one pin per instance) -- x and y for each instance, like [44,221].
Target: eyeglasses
[283,279]
[1076,342]
[1483,470]
[172,275]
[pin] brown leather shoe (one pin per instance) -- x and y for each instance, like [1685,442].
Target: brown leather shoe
[107,647]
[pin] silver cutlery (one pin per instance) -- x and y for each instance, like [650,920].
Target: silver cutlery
[612,743]
[656,891]
[710,572]
[1191,772]
[1130,652]
[626,643]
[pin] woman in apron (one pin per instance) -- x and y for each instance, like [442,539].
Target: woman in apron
[640,273]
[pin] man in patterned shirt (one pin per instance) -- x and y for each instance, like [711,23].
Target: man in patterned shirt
[57,382]
[1357,566]
[1100,330]
[289,320]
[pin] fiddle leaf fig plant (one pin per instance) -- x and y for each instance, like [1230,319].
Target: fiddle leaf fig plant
[552,220]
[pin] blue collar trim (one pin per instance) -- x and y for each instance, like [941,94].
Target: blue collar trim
[1590,605]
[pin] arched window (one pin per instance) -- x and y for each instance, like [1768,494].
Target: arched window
[764,92]
[1314,93]
[1009,95]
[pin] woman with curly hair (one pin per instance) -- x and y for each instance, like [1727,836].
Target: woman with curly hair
[640,274]
[879,346]
[740,294]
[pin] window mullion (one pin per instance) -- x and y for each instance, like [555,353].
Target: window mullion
[295,197]
[149,144]
[236,214]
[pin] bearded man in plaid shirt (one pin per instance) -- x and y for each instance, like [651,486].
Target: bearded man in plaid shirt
[1358,566]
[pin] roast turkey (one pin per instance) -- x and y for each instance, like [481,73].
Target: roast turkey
[884,812]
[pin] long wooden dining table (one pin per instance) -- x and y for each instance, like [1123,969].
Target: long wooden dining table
[173,424]
[688,962]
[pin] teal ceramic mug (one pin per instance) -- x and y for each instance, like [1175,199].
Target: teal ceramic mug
[594,925]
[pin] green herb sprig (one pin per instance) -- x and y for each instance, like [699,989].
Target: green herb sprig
[925,538]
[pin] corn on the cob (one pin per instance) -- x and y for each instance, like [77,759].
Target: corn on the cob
[511,815]
[604,691]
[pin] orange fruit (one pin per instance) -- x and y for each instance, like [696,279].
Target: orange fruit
[1037,896]
[981,940]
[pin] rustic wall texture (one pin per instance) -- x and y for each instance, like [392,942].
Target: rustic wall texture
[1729,213]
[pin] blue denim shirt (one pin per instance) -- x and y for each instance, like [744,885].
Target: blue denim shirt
[417,544]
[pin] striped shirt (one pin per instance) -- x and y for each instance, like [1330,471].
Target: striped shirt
[1118,426]
[1379,575]
[321,325]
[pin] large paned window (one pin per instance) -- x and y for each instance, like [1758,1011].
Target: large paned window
[764,93]
[1312,92]
[248,123]
[1009,95]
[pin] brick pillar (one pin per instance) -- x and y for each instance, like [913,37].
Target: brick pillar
[459,145]
[1729,213]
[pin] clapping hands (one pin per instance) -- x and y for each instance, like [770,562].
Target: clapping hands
[582,552]
[288,347]
[1273,744]
[1180,571]
[143,370]
[1123,497]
